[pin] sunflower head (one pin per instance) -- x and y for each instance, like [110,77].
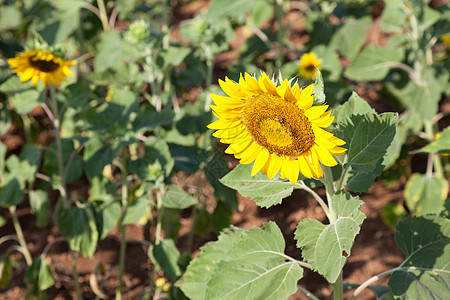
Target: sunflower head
[276,127]
[307,65]
[41,64]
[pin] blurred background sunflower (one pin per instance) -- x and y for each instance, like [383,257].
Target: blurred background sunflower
[308,63]
[41,64]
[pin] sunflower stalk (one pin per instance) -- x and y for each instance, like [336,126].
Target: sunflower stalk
[123,240]
[54,116]
[328,181]
[20,236]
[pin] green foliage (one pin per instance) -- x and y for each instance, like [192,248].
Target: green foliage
[327,247]
[175,197]
[368,136]
[374,63]
[135,211]
[263,191]
[425,194]
[440,145]
[425,271]
[350,37]
[39,276]
[79,225]
[240,264]
[40,206]
[167,255]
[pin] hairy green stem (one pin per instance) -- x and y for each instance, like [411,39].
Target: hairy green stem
[160,210]
[20,236]
[327,180]
[307,293]
[102,14]
[75,273]
[370,281]
[330,190]
[338,288]
[55,117]
[123,241]
[209,72]
[280,33]
[433,160]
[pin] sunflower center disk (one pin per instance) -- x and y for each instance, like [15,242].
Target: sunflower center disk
[43,65]
[278,125]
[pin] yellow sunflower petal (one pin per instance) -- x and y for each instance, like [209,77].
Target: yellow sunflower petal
[305,100]
[260,161]
[274,165]
[325,157]
[249,154]
[304,167]
[230,133]
[336,151]
[316,111]
[223,124]
[292,169]
[228,102]
[252,82]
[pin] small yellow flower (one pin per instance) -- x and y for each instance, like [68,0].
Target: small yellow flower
[308,63]
[160,281]
[109,94]
[446,39]
[166,287]
[41,64]
[277,127]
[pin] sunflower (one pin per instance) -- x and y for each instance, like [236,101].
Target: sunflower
[41,64]
[308,63]
[277,127]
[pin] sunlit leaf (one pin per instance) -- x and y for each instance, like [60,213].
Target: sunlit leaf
[442,144]
[262,190]
[374,63]
[426,194]
[327,247]
[425,273]
[40,206]
[167,255]
[241,264]
[176,197]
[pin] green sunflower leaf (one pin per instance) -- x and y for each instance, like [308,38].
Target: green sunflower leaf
[176,197]
[351,36]
[318,89]
[167,255]
[374,63]
[411,96]
[264,191]
[248,264]
[201,269]
[425,273]
[326,247]
[39,276]
[442,144]
[426,194]
[78,224]
[40,206]
[367,136]
[355,105]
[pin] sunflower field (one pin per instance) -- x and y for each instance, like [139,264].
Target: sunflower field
[224,149]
